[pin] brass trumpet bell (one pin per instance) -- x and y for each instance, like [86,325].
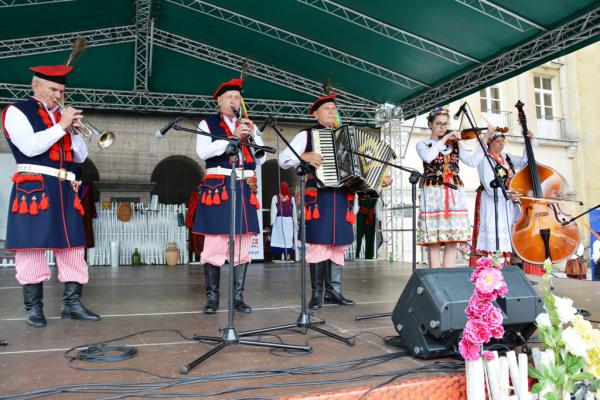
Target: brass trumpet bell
[105,139]
[87,130]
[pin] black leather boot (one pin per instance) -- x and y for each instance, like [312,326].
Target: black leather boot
[212,278]
[333,285]
[32,297]
[317,275]
[239,276]
[72,306]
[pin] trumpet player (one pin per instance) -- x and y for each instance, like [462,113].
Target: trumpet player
[45,212]
[212,216]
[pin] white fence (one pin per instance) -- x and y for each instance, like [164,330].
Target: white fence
[148,231]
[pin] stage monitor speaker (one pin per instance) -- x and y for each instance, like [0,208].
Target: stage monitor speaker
[430,314]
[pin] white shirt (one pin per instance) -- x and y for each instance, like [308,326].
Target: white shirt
[33,143]
[429,149]
[206,148]
[287,159]
[596,251]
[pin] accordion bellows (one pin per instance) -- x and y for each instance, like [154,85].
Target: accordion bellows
[342,167]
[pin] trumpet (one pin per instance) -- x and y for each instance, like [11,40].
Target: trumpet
[87,130]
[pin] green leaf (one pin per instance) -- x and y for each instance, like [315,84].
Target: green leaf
[534,373]
[538,387]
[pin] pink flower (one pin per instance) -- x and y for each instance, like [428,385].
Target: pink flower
[497,332]
[485,262]
[476,331]
[488,355]
[488,281]
[502,291]
[493,317]
[468,350]
[478,306]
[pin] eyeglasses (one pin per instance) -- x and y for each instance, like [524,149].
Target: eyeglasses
[441,124]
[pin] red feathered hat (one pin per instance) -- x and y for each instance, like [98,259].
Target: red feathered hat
[54,73]
[233,84]
[320,101]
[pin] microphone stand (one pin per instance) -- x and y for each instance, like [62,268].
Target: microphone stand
[230,337]
[304,319]
[414,178]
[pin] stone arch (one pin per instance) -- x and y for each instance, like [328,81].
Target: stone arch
[175,178]
[90,175]
[270,180]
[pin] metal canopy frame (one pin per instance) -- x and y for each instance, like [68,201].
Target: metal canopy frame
[546,46]
[389,31]
[271,31]
[140,101]
[355,108]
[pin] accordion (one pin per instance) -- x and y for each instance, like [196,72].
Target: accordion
[342,168]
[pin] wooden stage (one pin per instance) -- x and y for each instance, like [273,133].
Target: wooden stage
[159,309]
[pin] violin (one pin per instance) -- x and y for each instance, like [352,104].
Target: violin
[471,133]
[539,233]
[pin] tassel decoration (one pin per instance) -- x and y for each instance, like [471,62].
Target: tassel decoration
[15,205]
[308,214]
[216,199]
[77,205]
[316,214]
[203,201]
[209,201]
[224,195]
[349,216]
[33,208]
[23,208]
[44,202]
[254,200]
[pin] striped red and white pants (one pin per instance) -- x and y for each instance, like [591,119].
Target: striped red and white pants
[320,252]
[32,266]
[216,249]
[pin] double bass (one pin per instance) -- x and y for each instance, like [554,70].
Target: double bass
[539,233]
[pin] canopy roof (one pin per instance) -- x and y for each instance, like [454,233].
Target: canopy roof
[169,55]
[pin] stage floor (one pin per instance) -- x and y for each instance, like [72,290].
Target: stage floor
[169,299]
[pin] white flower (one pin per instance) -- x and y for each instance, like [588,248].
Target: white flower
[574,343]
[564,309]
[543,320]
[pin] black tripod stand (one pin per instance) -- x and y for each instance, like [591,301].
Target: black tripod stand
[230,337]
[304,319]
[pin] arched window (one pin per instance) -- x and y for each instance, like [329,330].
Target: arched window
[175,178]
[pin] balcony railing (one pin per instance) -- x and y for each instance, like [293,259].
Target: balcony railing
[500,119]
[552,128]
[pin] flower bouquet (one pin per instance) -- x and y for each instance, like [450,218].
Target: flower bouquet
[570,365]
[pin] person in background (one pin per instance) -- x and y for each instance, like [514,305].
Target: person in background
[283,222]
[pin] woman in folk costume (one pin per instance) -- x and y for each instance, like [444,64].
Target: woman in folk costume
[283,222]
[484,227]
[46,210]
[212,216]
[443,217]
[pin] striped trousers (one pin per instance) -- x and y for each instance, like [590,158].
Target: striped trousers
[216,249]
[321,252]
[32,266]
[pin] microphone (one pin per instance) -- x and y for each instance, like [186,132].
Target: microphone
[460,110]
[160,133]
[266,123]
